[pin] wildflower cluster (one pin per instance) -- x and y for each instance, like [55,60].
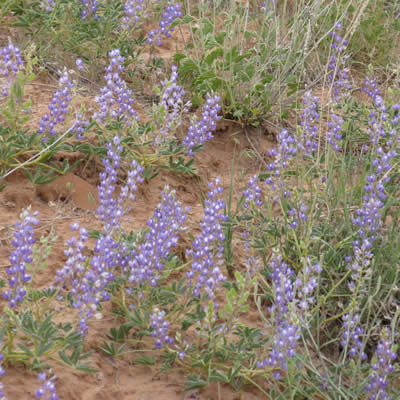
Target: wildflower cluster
[378,115]
[292,298]
[339,80]
[252,193]
[48,389]
[148,259]
[116,98]
[171,13]
[207,251]
[171,106]
[160,329]
[47,5]
[135,10]
[90,8]
[110,209]
[201,131]
[79,126]
[286,150]
[10,63]
[309,124]
[297,215]
[58,106]
[20,258]
[339,74]
[72,273]
[382,366]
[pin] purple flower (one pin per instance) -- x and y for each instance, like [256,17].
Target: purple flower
[79,126]
[2,373]
[171,13]
[352,336]
[334,134]
[58,106]
[160,329]
[90,8]
[287,317]
[171,106]
[20,257]
[116,99]
[207,251]
[47,5]
[298,215]
[286,150]
[79,64]
[252,193]
[70,275]
[339,74]
[201,131]
[10,63]
[309,124]
[111,210]
[167,222]
[48,389]
[381,366]
[135,10]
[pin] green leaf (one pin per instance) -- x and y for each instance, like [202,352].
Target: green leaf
[194,382]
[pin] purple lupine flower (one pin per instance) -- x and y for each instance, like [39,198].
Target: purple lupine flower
[79,126]
[48,389]
[309,124]
[47,5]
[201,131]
[135,10]
[79,64]
[167,222]
[288,318]
[58,106]
[286,150]
[284,347]
[171,106]
[10,63]
[171,13]
[298,215]
[306,283]
[377,116]
[334,133]
[286,333]
[382,366]
[160,329]
[352,336]
[20,257]
[281,276]
[339,80]
[70,275]
[2,373]
[207,251]
[252,193]
[370,87]
[116,98]
[90,7]
[339,74]
[111,210]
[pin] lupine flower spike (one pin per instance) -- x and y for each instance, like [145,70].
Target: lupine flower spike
[207,251]
[171,13]
[48,389]
[201,131]
[58,107]
[10,63]
[116,98]
[20,258]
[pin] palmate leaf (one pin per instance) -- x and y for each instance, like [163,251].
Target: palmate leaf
[195,382]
